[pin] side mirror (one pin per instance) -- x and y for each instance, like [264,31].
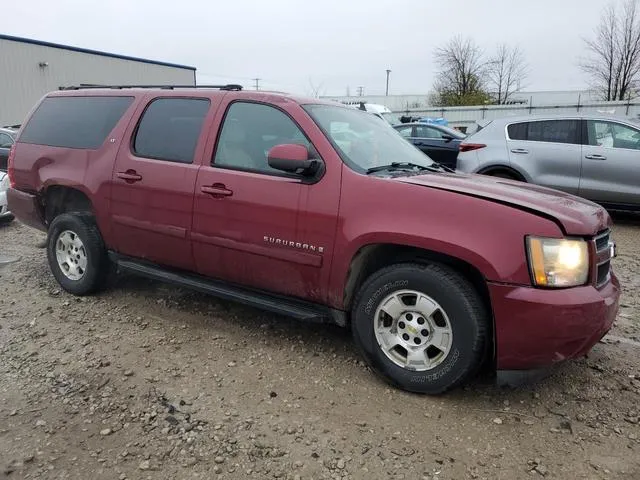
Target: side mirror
[292,158]
[447,138]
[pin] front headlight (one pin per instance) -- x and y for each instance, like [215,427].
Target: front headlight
[558,262]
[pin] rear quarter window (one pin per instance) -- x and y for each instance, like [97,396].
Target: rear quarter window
[74,122]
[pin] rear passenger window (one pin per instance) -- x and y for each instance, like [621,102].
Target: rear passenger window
[74,122]
[170,129]
[552,131]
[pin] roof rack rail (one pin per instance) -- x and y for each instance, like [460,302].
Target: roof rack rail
[83,86]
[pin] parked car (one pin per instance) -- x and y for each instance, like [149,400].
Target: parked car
[593,156]
[248,196]
[7,137]
[5,214]
[439,142]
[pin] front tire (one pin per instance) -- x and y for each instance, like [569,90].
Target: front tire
[76,253]
[423,328]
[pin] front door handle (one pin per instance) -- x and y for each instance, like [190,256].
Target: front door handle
[595,156]
[129,176]
[520,151]
[217,190]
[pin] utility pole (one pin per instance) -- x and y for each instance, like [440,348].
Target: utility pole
[360,91]
[257,80]
[387,90]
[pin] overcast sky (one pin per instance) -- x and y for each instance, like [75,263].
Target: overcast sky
[332,43]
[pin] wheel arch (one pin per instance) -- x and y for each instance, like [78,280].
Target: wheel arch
[58,199]
[373,257]
[506,169]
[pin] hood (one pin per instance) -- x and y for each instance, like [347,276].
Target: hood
[575,215]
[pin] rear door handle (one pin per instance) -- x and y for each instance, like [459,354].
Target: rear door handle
[520,151]
[595,157]
[129,176]
[217,190]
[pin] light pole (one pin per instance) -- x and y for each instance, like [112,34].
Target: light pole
[387,90]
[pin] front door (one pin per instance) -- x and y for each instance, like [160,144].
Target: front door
[611,163]
[251,224]
[430,140]
[154,179]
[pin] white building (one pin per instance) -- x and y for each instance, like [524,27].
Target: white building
[417,102]
[30,68]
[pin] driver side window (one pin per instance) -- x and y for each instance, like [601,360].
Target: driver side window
[613,135]
[427,132]
[249,131]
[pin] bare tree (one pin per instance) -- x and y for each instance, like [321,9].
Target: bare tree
[614,52]
[462,72]
[315,90]
[506,71]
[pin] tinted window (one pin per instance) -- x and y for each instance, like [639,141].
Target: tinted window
[170,129]
[613,135]
[518,131]
[74,122]
[248,133]
[554,131]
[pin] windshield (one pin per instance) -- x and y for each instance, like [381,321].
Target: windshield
[363,141]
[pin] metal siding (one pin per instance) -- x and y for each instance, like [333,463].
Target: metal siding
[24,82]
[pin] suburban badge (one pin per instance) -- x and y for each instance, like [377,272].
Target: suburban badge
[298,245]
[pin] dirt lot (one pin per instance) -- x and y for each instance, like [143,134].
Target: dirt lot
[146,381]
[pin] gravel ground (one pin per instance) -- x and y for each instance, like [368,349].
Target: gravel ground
[147,381]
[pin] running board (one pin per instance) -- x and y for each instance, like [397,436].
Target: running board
[290,307]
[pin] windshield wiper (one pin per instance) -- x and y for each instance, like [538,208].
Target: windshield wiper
[397,166]
[443,167]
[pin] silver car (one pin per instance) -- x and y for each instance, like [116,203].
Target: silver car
[595,157]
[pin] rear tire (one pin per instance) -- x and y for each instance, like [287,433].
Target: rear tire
[76,253]
[441,336]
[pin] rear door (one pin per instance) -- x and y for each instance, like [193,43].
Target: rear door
[154,179]
[549,151]
[611,163]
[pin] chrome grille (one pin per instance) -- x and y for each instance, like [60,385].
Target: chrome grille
[602,241]
[604,253]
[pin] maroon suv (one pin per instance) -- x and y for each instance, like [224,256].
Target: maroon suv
[317,211]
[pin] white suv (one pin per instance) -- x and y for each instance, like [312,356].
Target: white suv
[593,156]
